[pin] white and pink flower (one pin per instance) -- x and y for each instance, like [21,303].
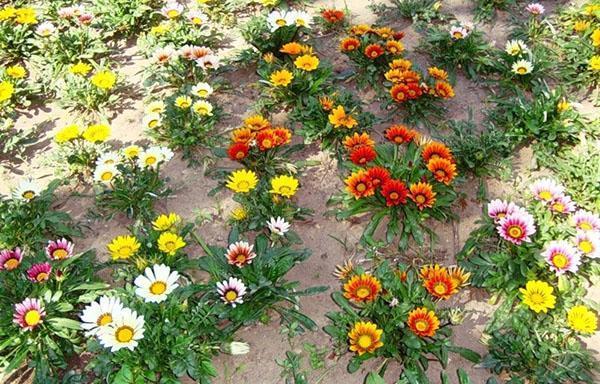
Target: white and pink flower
[29,313]
[586,221]
[172,10]
[240,253]
[546,190]
[39,273]
[59,249]
[232,291]
[562,257]
[498,209]
[517,227]
[563,204]
[10,259]
[588,243]
[458,32]
[535,8]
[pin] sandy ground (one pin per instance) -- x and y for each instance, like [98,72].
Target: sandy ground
[319,233]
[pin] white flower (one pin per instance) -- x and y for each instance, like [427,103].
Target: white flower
[155,107]
[202,90]
[108,158]
[203,108]
[232,291]
[45,29]
[123,332]
[105,173]
[197,17]
[69,12]
[164,54]
[278,226]
[458,32]
[209,61]
[172,10]
[156,283]
[299,18]
[588,243]
[535,8]
[394,302]
[515,47]
[99,314]
[236,348]
[27,190]
[166,153]
[150,158]
[278,19]
[152,120]
[522,67]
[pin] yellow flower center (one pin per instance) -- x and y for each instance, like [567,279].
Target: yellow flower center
[363,292]
[125,251]
[106,176]
[284,189]
[231,295]
[151,160]
[280,22]
[170,245]
[124,334]
[153,123]
[32,317]
[361,187]
[457,35]
[536,298]
[158,288]
[421,325]
[197,20]
[515,231]
[173,13]
[241,258]
[560,261]
[522,70]
[202,93]
[394,195]
[586,246]
[439,288]
[440,173]
[42,276]
[585,226]
[243,185]
[28,195]
[365,341]
[11,264]
[558,207]
[103,319]
[267,143]
[60,253]
[420,199]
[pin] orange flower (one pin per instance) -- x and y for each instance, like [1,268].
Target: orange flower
[282,136]
[414,90]
[359,184]
[399,92]
[292,48]
[401,64]
[443,170]
[440,284]
[384,32]
[400,134]
[242,135]
[378,176]
[349,44]
[358,140]
[460,277]
[444,90]
[427,271]
[365,337]
[395,192]
[360,29]
[363,288]
[437,73]
[333,16]
[436,150]
[265,139]
[373,51]
[422,194]
[423,322]
[362,155]
[238,151]
[256,123]
[394,75]
[394,47]
[338,118]
[326,103]
[398,35]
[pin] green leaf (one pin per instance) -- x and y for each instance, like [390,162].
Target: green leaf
[61,323]
[374,378]
[463,378]
[467,353]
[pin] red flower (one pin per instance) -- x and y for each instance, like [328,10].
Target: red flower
[373,51]
[362,155]
[378,176]
[414,91]
[395,192]
[399,134]
[238,151]
[333,15]
[399,92]
[266,139]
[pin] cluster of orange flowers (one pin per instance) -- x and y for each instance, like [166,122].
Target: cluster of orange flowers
[407,83]
[256,132]
[333,16]
[368,181]
[373,42]
[442,282]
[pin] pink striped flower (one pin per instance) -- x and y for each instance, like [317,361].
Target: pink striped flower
[10,259]
[29,313]
[517,227]
[546,190]
[39,273]
[535,8]
[586,221]
[59,249]
[562,257]
[563,204]
[588,243]
[498,209]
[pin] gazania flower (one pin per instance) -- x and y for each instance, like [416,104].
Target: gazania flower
[326,103]
[365,337]
[363,155]
[422,194]
[395,192]
[581,319]
[441,285]
[459,276]
[400,134]
[299,18]
[68,133]
[242,135]
[535,9]
[563,204]
[360,29]
[265,139]
[588,243]
[209,62]
[399,92]
[349,44]
[339,118]
[163,55]
[358,140]
[458,32]
[522,67]
[10,259]
[546,190]
[169,243]
[108,158]
[282,136]
[96,133]
[238,213]
[363,288]
[400,64]
[39,273]
[284,185]
[123,247]
[423,322]
[202,90]
[152,120]
[149,158]
[291,48]
[240,253]
[581,25]
[45,29]
[444,90]
[242,181]
[29,314]
[16,71]
[538,296]
[105,173]
[359,184]
[443,170]
[166,222]
[378,176]
[238,151]
[104,80]
[99,314]
[333,16]
[278,226]
[232,291]
[197,17]
[427,271]
[373,51]
[594,63]
[436,150]
[307,62]
[394,47]
[203,108]
[256,123]
[60,249]
[125,330]
[516,227]
[438,73]
[499,209]
[515,47]
[562,257]
[155,106]
[6,90]
[281,78]
[183,102]
[278,19]
[156,283]
[586,221]
[345,270]
[27,190]
[172,10]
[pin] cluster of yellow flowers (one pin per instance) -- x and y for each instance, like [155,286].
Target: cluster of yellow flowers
[25,15]
[95,133]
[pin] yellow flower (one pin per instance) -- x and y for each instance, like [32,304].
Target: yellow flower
[307,62]
[581,25]
[160,29]
[96,133]
[67,133]
[594,63]
[596,37]
[203,108]
[183,102]
[239,213]
[169,243]
[132,151]
[6,90]
[563,105]
[269,57]
[104,79]
[281,78]
[284,185]
[80,68]
[582,320]
[25,16]
[537,295]
[123,247]
[242,181]
[7,13]
[269,3]
[16,71]
[166,222]
[365,337]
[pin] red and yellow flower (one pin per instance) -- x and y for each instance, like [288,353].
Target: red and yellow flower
[437,73]
[373,51]
[423,322]
[359,184]
[362,155]
[395,192]
[436,150]
[378,176]
[349,44]
[238,151]
[333,16]
[444,90]
[440,284]
[256,123]
[400,134]
[443,170]
[265,139]
[365,337]
[242,135]
[401,64]
[362,288]
[394,47]
[422,194]
[339,118]
[358,140]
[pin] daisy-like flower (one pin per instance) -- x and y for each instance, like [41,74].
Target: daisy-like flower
[363,155]
[586,221]
[29,313]
[132,151]
[422,194]
[10,259]
[400,134]
[59,249]
[458,32]
[278,19]
[183,102]
[150,158]
[435,150]
[395,192]
[209,62]
[588,243]
[203,108]
[27,190]
[123,247]
[125,330]
[378,176]
[152,120]
[299,18]
[363,288]
[172,10]
[284,185]
[155,107]
[499,209]
[423,322]
[39,273]
[307,62]
[278,226]
[562,257]
[522,67]
[460,277]
[108,158]
[105,173]
[156,283]
[202,90]
[440,284]
[535,8]
[99,314]
[538,296]
[443,170]
[166,222]
[166,154]
[169,243]
[281,78]
[339,118]
[242,181]
[197,17]
[515,47]
[365,337]
[232,291]
[345,270]
[238,213]
[359,185]
[581,319]
[546,190]
[516,227]
[45,29]
[164,55]
[563,204]
[240,253]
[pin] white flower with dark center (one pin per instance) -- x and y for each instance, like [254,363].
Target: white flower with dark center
[99,314]
[156,284]
[125,330]
[27,190]
[231,291]
[278,226]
